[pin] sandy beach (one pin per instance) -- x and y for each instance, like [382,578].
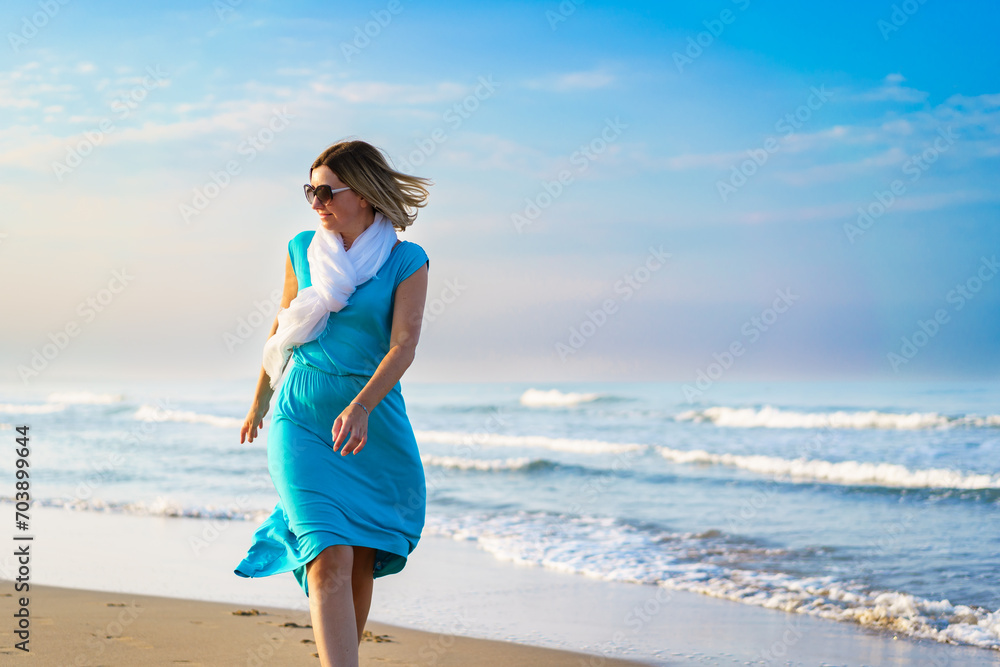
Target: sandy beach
[81,627]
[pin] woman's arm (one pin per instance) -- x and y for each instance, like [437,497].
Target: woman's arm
[407,315]
[263,393]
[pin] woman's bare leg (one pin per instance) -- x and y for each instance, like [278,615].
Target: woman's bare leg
[331,605]
[362,582]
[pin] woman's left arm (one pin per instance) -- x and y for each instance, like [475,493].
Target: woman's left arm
[407,314]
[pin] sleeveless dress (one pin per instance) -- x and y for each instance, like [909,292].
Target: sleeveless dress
[375,498]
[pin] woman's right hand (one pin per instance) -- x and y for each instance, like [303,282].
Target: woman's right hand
[253,422]
[262,399]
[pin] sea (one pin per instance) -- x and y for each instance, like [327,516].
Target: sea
[863,503]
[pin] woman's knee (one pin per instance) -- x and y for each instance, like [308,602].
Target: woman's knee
[331,569]
[364,560]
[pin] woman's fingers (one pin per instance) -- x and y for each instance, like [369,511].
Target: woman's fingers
[353,444]
[345,444]
[349,445]
[356,425]
[337,432]
[251,426]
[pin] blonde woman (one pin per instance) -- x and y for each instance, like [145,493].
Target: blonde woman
[340,449]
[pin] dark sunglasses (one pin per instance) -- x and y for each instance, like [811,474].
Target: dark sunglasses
[323,193]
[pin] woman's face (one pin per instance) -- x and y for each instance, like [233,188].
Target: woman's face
[344,211]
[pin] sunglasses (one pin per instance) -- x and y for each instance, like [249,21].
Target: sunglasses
[323,193]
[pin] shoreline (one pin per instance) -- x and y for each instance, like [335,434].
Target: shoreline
[86,627]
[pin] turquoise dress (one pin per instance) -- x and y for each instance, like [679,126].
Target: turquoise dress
[372,499]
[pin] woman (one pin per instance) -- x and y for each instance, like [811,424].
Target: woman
[348,328]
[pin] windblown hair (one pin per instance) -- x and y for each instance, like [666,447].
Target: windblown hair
[365,169]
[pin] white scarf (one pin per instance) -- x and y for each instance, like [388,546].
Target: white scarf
[335,274]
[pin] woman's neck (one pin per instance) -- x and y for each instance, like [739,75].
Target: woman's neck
[349,238]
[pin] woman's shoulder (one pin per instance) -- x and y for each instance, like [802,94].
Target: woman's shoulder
[298,249]
[410,248]
[303,238]
[411,257]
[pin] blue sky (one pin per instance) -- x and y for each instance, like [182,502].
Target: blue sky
[573,148]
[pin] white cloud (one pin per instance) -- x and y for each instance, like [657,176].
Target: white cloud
[793,143]
[375,92]
[722,160]
[987,101]
[470,150]
[24,146]
[891,90]
[22,87]
[800,142]
[573,81]
[847,211]
[898,126]
[231,118]
[824,173]
[10,102]
[295,72]
[891,140]
[33,150]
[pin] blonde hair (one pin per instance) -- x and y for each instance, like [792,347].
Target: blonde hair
[365,169]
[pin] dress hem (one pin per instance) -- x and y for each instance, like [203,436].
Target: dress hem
[386,562]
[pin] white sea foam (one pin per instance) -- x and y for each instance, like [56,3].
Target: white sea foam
[843,472]
[151,413]
[903,613]
[538,441]
[57,402]
[710,564]
[160,507]
[486,465]
[770,417]
[553,398]
[31,409]
[83,397]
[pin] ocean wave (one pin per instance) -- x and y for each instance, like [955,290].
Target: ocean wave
[160,507]
[57,402]
[711,564]
[31,409]
[487,465]
[151,413]
[83,398]
[843,472]
[553,398]
[538,441]
[770,417]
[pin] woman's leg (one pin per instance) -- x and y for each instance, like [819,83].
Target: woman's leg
[362,581]
[331,605]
